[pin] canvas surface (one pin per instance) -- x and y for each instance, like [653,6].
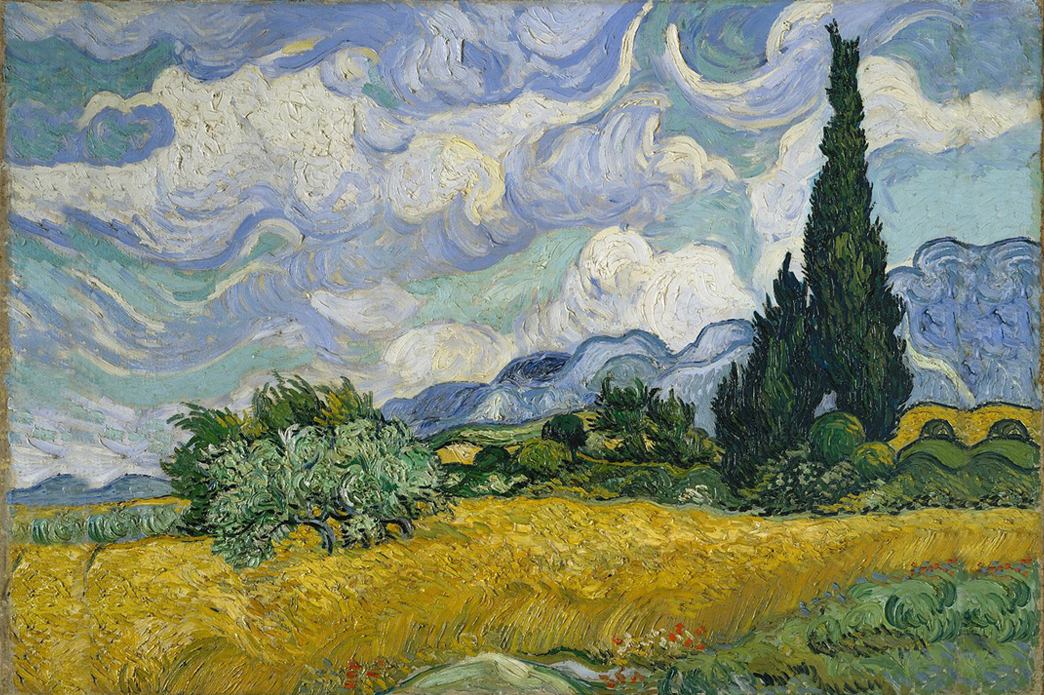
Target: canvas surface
[521,348]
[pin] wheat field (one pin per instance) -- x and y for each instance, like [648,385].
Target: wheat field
[519,576]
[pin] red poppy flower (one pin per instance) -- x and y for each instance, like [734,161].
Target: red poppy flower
[672,637]
[372,674]
[617,640]
[679,628]
[688,643]
[700,646]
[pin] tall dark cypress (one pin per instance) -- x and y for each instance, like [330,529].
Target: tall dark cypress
[766,406]
[855,312]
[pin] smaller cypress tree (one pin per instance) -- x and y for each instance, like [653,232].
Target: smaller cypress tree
[767,405]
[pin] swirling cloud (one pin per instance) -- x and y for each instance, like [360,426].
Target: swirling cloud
[445,351]
[620,283]
[617,170]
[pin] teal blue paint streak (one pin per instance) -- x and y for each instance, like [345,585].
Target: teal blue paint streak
[722,219]
[498,294]
[42,384]
[57,74]
[980,208]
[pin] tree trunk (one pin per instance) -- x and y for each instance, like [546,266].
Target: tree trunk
[324,530]
[404,524]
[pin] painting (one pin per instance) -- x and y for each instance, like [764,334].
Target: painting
[687,348]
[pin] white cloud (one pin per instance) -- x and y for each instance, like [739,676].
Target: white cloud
[445,351]
[786,87]
[620,283]
[370,311]
[898,111]
[435,171]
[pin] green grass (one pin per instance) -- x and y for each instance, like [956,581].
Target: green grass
[940,628]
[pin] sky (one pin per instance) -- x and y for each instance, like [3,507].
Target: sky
[412,194]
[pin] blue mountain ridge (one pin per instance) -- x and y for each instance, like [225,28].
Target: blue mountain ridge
[972,330]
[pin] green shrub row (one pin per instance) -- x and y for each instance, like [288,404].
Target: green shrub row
[118,524]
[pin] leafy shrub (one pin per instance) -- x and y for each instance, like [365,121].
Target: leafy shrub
[565,429]
[651,428]
[113,525]
[540,459]
[274,409]
[366,468]
[835,436]
[492,458]
[938,429]
[622,414]
[159,520]
[675,440]
[800,482]
[1009,429]
[873,461]
[64,527]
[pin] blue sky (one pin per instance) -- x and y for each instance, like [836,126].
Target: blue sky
[409,194]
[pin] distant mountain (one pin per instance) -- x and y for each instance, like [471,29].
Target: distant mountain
[68,490]
[546,383]
[972,330]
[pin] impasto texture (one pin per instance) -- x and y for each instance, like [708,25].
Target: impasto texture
[686,348]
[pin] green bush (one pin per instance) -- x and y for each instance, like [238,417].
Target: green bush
[365,468]
[565,429]
[652,429]
[492,458]
[621,413]
[938,429]
[835,436]
[540,459]
[274,409]
[64,527]
[112,525]
[800,482]
[1009,429]
[159,520]
[873,461]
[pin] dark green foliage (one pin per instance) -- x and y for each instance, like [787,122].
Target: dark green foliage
[492,458]
[834,436]
[873,461]
[1009,429]
[651,428]
[622,414]
[274,408]
[491,473]
[675,440]
[856,314]
[799,482]
[565,429]
[540,459]
[938,429]
[767,405]
[889,635]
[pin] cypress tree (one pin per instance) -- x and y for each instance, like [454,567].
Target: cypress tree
[855,312]
[767,406]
